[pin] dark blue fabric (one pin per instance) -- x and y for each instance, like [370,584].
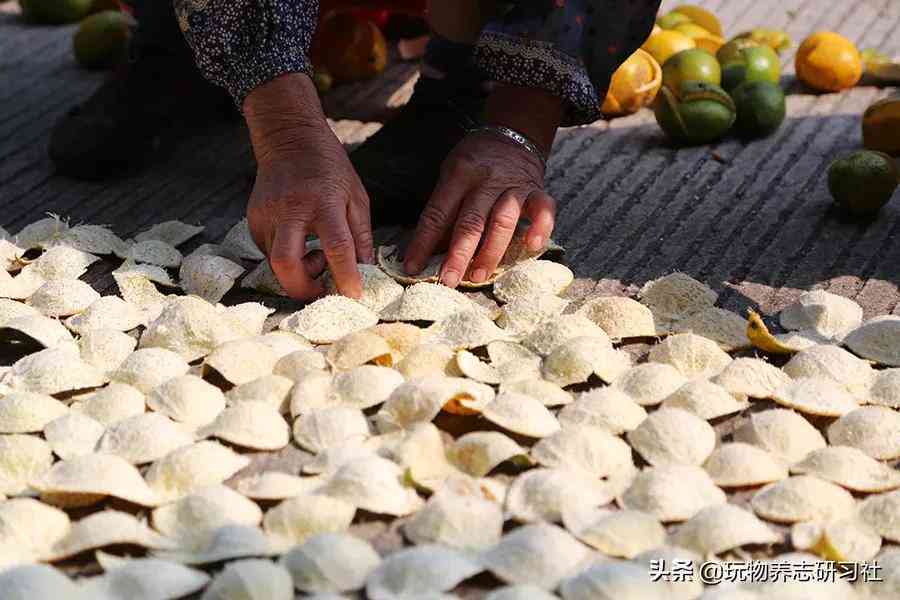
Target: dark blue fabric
[568,47]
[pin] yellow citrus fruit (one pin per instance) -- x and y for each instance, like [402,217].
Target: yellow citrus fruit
[634,85]
[703,38]
[776,39]
[829,62]
[667,44]
[701,17]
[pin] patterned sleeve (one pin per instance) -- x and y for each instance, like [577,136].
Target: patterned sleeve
[241,44]
[568,47]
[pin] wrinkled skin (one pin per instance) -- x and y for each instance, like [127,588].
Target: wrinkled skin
[306,185]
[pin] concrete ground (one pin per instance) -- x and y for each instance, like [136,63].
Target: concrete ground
[754,220]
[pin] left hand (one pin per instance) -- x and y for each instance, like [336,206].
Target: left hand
[486,183]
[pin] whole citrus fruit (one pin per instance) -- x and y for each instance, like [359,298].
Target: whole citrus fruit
[691,65]
[349,48]
[56,11]
[829,62]
[704,39]
[760,108]
[634,85]
[881,126]
[755,63]
[699,114]
[863,182]
[666,44]
[101,39]
[672,20]
[701,17]
[731,52]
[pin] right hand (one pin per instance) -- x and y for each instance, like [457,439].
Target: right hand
[304,184]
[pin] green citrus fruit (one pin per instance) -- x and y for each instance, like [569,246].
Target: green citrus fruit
[101,39]
[731,52]
[863,182]
[756,63]
[672,20]
[55,11]
[701,113]
[760,108]
[691,65]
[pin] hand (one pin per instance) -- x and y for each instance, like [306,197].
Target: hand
[304,184]
[486,184]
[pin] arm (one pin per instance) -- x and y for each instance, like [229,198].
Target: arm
[569,48]
[242,44]
[552,62]
[305,184]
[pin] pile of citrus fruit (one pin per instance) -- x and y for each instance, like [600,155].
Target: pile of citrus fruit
[701,85]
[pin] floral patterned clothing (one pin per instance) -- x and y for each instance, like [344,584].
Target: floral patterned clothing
[568,47]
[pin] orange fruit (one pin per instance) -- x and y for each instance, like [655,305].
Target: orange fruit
[701,17]
[829,62]
[667,44]
[634,85]
[348,48]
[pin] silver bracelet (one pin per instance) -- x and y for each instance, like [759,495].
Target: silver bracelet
[514,136]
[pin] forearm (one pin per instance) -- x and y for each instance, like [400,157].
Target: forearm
[280,113]
[569,49]
[533,112]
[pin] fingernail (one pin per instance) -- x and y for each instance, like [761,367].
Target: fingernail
[413,268]
[479,275]
[535,242]
[450,279]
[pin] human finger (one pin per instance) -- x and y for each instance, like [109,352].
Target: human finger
[359,218]
[467,232]
[499,233]
[540,208]
[340,250]
[286,258]
[436,219]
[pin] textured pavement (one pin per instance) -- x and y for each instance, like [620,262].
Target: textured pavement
[751,220]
